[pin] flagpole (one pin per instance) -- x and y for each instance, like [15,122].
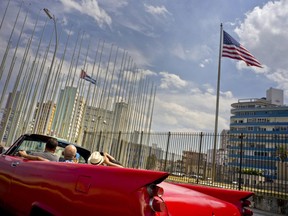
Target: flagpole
[4,14]
[13,61]
[3,62]
[58,87]
[95,99]
[38,128]
[69,75]
[217,103]
[59,120]
[116,98]
[23,111]
[77,60]
[7,81]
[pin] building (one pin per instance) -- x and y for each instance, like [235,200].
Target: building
[259,137]
[46,117]
[94,120]
[8,115]
[138,154]
[194,163]
[224,139]
[120,122]
[68,114]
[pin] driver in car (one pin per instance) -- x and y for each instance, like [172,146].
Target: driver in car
[47,155]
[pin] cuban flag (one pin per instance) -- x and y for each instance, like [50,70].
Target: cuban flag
[233,49]
[86,77]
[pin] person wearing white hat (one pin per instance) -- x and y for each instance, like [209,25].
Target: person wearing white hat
[100,158]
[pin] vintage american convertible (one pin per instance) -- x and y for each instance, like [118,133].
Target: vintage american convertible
[53,188]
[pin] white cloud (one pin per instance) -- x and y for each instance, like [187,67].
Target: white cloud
[204,63]
[264,34]
[139,57]
[148,73]
[179,51]
[113,5]
[156,10]
[169,81]
[184,106]
[90,8]
[176,111]
[194,53]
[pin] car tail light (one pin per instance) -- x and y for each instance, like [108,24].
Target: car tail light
[156,202]
[154,190]
[246,203]
[246,212]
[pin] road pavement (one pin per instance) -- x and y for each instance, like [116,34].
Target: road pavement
[257,212]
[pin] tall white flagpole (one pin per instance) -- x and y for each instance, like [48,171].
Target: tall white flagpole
[72,62]
[3,62]
[8,79]
[88,101]
[93,101]
[217,103]
[80,89]
[4,14]
[109,94]
[77,60]
[43,89]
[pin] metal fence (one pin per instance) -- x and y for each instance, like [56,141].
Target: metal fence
[253,162]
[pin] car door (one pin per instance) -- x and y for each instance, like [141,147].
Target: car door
[44,184]
[8,166]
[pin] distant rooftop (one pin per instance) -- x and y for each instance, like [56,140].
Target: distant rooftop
[253,100]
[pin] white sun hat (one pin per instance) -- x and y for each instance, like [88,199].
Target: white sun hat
[96,158]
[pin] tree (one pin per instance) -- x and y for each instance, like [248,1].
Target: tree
[151,162]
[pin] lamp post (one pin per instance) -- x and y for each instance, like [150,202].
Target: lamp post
[41,104]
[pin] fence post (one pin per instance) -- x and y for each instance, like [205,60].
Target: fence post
[240,164]
[117,153]
[168,142]
[140,149]
[83,142]
[198,162]
[99,141]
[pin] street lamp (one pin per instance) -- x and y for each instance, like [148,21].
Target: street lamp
[52,17]
[49,13]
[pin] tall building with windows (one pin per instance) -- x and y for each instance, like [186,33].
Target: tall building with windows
[6,118]
[68,114]
[263,147]
[44,120]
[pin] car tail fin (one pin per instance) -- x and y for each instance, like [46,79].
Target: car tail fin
[220,193]
[128,179]
[238,198]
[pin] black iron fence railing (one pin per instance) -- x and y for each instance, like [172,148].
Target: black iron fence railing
[254,162]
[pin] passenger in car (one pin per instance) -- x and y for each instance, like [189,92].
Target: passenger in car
[69,153]
[77,158]
[47,155]
[100,158]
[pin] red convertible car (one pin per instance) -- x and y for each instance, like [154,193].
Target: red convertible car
[29,187]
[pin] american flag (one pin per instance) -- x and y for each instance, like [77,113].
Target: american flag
[233,49]
[86,77]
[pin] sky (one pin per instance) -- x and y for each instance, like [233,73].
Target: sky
[176,44]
